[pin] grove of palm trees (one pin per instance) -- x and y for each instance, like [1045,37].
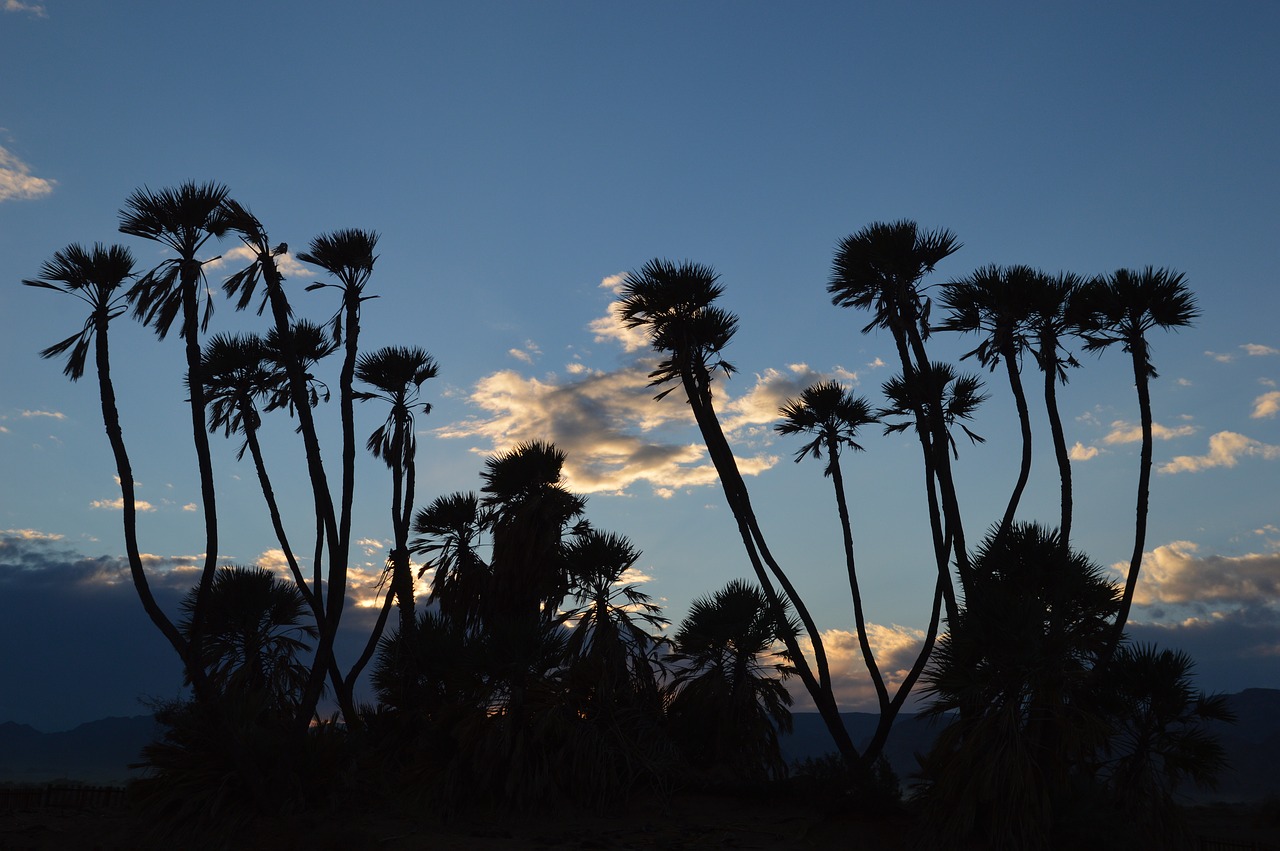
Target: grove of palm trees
[516,665]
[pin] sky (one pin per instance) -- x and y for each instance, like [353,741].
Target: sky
[518,159]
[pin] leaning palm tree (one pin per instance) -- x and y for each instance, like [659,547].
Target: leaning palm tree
[992,301]
[676,304]
[881,269]
[181,219]
[1122,309]
[95,276]
[396,374]
[728,701]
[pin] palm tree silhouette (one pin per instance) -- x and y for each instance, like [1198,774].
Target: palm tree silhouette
[96,276]
[448,531]
[254,633]
[397,373]
[182,219]
[728,702]
[880,268]
[529,511]
[1050,317]
[1121,309]
[992,301]
[676,304]
[612,649]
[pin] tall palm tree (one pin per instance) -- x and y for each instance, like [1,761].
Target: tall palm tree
[676,304]
[1050,317]
[881,268]
[729,703]
[181,219]
[992,301]
[530,512]
[1122,309]
[96,276]
[396,374]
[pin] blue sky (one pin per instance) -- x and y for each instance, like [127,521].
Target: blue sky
[517,157]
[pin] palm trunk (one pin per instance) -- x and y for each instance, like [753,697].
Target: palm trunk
[1048,348]
[735,491]
[842,508]
[195,380]
[1140,378]
[124,470]
[1024,423]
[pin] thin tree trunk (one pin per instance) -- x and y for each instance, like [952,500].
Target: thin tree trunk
[1047,349]
[1144,487]
[1024,423]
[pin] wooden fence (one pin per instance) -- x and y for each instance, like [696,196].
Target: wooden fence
[55,795]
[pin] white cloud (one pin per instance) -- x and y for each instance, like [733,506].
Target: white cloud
[118,504]
[610,328]
[895,648]
[36,9]
[1080,452]
[1184,382]
[1221,357]
[1258,350]
[57,415]
[1124,432]
[16,180]
[527,354]
[613,283]
[32,534]
[876,364]
[242,255]
[1226,448]
[1175,573]
[759,406]
[1266,406]
[190,506]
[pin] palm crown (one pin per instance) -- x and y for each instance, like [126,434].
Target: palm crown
[829,412]
[396,373]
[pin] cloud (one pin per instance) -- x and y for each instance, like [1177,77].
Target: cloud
[118,504]
[1080,452]
[1124,432]
[1266,406]
[30,535]
[57,415]
[759,406]
[16,180]
[34,9]
[242,255]
[1225,450]
[527,354]
[1176,573]
[610,328]
[1221,357]
[895,648]
[1258,350]
[190,506]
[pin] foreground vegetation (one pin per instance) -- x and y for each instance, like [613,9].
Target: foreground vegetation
[536,672]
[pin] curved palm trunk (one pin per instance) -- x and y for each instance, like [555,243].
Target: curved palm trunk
[735,491]
[346,692]
[842,508]
[1144,487]
[190,274]
[337,584]
[1024,423]
[401,575]
[124,470]
[1047,349]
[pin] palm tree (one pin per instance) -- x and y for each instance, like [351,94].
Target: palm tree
[181,219]
[448,530]
[529,512]
[992,301]
[254,633]
[881,268]
[1050,318]
[1121,309]
[95,276]
[612,648]
[728,701]
[676,304]
[1015,668]
[396,373]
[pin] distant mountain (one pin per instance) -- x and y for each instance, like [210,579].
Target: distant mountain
[98,752]
[101,751]
[1252,745]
